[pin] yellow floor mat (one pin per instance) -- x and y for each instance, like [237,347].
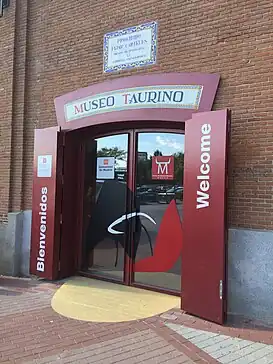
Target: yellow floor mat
[98,301]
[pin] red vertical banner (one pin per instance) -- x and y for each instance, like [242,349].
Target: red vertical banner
[204,216]
[163,167]
[44,250]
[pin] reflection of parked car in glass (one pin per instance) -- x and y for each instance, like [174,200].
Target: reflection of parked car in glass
[175,193]
[163,188]
[148,195]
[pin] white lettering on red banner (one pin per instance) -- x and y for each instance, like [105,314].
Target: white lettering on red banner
[42,231]
[203,192]
[163,167]
[172,96]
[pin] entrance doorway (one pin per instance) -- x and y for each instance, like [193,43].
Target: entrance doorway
[132,208]
[131,214]
[139,239]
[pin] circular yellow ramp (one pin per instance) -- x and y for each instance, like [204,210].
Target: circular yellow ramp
[98,301]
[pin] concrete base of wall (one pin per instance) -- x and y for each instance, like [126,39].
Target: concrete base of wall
[250,274]
[15,244]
[250,268]
[25,247]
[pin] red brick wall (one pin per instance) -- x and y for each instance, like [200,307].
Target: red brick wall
[7,34]
[232,38]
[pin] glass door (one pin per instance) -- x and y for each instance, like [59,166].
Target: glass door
[132,213]
[157,237]
[105,205]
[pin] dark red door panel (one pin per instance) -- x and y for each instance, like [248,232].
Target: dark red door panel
[204,223]
[70,213]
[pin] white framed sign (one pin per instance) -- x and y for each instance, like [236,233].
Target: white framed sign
[159,96]
[130,48]
[105,168]
[44,166]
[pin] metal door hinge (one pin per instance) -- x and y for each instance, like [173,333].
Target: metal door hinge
[61,218]
[59,266]
[221,290]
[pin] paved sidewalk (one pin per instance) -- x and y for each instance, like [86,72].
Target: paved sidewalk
[31,332]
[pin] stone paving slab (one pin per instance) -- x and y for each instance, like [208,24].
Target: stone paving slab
[31,332]
[223,348]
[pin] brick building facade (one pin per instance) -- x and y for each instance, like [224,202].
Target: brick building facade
[49,48]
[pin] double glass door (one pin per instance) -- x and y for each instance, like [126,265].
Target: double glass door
[132,208]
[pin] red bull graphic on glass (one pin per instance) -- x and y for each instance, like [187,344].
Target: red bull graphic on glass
[163,167]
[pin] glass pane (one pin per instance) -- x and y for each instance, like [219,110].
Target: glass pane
[105,202]
[159,192]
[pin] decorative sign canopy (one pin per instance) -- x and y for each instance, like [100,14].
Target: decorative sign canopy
[168,97]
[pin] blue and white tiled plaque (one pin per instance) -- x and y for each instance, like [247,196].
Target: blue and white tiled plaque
[130,48]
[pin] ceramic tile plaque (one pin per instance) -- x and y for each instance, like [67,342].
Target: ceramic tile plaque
[130,48]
